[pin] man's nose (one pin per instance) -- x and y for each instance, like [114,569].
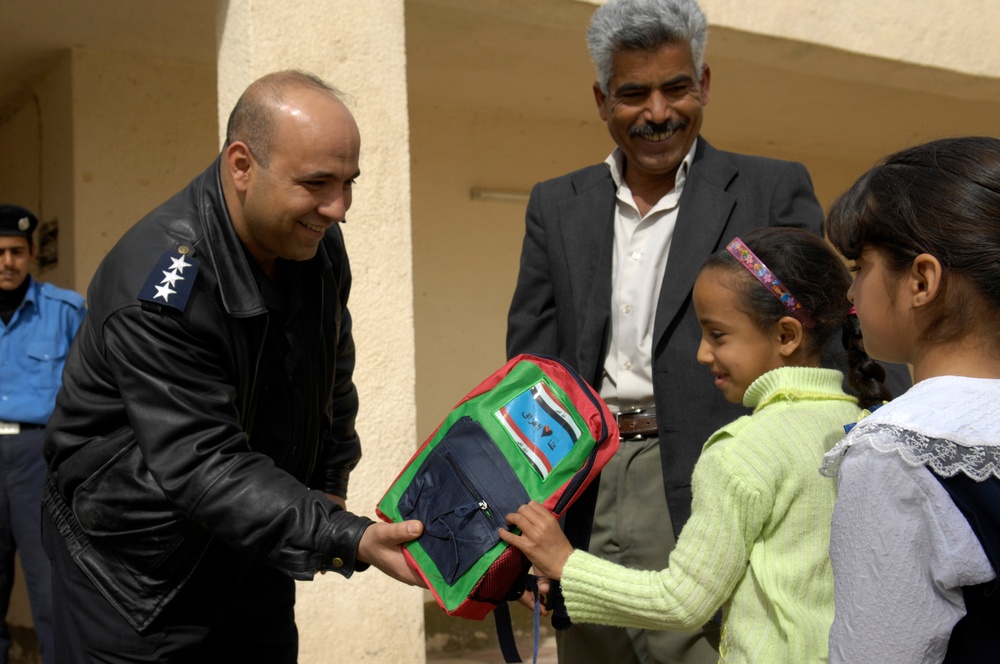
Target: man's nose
[659,109]
[334,206]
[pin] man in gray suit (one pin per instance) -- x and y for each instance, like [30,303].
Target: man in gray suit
[610,256]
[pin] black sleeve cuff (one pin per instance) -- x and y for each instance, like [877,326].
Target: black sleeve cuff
[344,538]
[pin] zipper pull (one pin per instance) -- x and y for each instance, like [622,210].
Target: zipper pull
[465,510]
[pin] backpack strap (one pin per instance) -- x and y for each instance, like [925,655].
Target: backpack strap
[505,629]
[505,633]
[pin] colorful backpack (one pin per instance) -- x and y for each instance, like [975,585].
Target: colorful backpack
[534,430]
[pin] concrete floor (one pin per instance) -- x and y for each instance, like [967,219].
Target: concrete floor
[449,640]
[453,640]
[24,646]
[25,651]
[546,654]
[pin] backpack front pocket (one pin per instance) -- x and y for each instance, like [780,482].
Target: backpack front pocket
[462,494]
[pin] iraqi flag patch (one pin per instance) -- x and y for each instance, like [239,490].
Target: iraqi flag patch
[540,426]
[172,279]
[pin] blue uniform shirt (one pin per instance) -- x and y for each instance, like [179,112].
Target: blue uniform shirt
[33,347]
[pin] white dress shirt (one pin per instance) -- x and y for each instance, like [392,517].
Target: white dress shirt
[641,246]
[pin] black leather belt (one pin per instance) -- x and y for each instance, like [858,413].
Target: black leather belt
[635,424]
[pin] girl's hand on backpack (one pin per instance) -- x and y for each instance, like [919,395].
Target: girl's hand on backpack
[541,539]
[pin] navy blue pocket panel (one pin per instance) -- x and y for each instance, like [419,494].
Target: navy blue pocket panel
[462,494]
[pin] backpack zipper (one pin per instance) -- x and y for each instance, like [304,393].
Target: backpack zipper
[481,503]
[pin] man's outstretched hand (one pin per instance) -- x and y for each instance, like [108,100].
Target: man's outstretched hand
[381,546]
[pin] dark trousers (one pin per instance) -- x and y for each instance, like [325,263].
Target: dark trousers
[22,476]
[232,609]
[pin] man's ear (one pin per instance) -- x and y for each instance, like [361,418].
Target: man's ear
[705,84]
[924,279]
[238,161]
[600,98]
[791,336]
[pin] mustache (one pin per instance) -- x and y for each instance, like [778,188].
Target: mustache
[648,129]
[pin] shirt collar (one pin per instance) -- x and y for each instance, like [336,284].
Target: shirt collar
[616,162]
[32,293]
[960,409]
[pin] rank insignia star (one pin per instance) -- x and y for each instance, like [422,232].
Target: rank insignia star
[171,277]
[171,281]
[165,292]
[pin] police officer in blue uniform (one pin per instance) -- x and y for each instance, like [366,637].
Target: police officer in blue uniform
[37,324]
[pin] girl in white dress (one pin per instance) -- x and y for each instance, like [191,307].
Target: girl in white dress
[915,537]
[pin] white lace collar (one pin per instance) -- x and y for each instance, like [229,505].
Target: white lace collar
[948,423]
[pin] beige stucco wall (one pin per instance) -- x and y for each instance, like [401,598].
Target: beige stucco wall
[935,33]
[20,142]
[142,127]
[99,139]
[36,171]
[360,48]
[466,251]
[960,36]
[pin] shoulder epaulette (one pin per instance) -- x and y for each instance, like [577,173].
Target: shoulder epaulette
[172,279]
[64,295]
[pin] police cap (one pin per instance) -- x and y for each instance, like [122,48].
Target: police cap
[16,220]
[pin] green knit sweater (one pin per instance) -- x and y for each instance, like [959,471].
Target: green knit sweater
[758,537]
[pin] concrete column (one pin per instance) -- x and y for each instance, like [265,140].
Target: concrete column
[358,47]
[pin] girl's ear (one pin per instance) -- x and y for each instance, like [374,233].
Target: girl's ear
[924,279]
[791,336]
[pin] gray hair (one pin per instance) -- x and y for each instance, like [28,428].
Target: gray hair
[644,24]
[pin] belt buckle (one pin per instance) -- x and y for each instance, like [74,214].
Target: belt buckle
[10,428]
[630,411]
[618,420]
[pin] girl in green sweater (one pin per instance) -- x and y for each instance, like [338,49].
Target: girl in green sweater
[756,544]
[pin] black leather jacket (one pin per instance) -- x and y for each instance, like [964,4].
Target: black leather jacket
[151,446]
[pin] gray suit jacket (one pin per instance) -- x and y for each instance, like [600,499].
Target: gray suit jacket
[562,302]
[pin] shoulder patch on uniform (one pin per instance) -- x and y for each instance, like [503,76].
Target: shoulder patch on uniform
[171,281]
